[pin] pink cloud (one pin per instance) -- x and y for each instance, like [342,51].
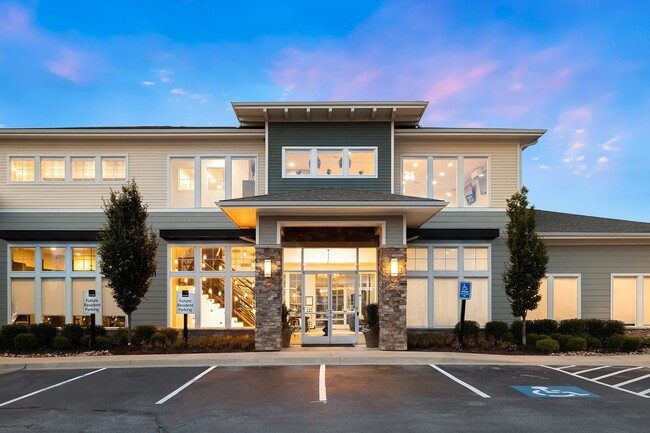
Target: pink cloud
[68,66]
[16,22]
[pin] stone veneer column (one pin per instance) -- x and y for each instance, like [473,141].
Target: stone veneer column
[392,299]
[268,300]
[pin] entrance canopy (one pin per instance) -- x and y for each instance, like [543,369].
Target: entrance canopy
[331,202]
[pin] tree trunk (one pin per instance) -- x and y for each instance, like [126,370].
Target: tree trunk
[128,327]
[523,330]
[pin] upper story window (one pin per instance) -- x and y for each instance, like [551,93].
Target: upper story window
[220,178]
[53,169]
[462,181]
[114,169]
[22,169]
[59,169]
[83,169]
[330,162]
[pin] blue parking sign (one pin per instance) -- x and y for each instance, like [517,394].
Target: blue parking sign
[464,290]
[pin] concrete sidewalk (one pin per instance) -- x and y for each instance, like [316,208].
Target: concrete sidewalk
[358,355]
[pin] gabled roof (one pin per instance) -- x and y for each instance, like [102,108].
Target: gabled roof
[560,224]
[331,202]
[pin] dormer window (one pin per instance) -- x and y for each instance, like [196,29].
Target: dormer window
[330,162]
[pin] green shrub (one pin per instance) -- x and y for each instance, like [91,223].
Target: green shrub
[371,313]
[73,332]
[472,329]
[592,342]
[515,329]
[143,333]
[576,344]
[4,345]
[508,338]
[101,342]
[532,339]
[644,343]
[572,327]
[84,341]
[120,337]
[563,340]
[44,333]
[556,336]
[99,330]
[11,331]
[595,328]
[496,329]
[25,341]
[612,327]
[424,341]
[223,343]
[548,345]
[172,334]
[158,339]
[541,326]
[631,344]
[61,343]
[615,342]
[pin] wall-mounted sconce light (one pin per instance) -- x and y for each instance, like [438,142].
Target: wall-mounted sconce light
[393,267]
[267,268]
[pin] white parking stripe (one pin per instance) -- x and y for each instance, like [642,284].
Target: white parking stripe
[566,366]
[50,387]
[640,394]
[605,376]
[627,382]
[164,399]
[646,392]
[457,380]
[322,391]
[591,369]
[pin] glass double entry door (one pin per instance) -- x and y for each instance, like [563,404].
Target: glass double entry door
[330,307]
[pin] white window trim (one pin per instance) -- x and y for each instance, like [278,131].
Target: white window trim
[460,168]
[68,169]
[228,158]
[460,274]
[550,293]
[639,297]
[313,154]
[38,275]
[197,274]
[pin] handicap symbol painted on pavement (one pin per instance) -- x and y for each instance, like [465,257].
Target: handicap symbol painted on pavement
[555,391]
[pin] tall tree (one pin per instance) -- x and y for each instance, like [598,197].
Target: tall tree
[528,258]
[127,248]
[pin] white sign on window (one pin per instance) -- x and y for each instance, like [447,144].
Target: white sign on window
[184,302]
[92,303]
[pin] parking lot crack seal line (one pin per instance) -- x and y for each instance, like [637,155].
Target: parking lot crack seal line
[173,393]
[460,382]
[50,387]
[638,394]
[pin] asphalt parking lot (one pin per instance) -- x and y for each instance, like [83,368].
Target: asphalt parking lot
[450,398]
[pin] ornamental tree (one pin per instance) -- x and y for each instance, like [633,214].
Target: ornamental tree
[127,248]
[528,258]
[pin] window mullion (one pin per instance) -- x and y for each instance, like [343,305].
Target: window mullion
[430,177]
[639,301]
[550,294]
[345,162]
[68,285]
[197,181]
[313,157]
[228,177]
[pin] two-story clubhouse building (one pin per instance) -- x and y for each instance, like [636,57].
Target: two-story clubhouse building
[325,206]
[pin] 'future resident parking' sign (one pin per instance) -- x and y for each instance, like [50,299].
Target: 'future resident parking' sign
[184,302]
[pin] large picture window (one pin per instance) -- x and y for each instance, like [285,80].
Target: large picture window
[560,298]
[219,178]
[432,292]
[47,285]
[223,284]
[462,181]
[631,299]
[330,162]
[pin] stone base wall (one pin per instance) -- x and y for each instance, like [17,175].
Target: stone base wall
[268,300]
[392,299]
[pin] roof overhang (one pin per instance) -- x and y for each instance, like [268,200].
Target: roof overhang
[400,112]
[525,137]
[245,213]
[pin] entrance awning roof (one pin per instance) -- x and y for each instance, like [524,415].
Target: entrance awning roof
[329,202]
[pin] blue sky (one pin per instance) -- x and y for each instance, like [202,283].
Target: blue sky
[579,69]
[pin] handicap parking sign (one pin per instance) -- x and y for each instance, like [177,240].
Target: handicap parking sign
[555,392]
[464,290]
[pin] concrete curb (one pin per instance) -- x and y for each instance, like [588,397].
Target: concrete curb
[309,357]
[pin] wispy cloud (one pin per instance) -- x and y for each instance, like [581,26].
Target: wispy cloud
[16,22]
[603,160]
[608,146]
[68,65]
[164,75]
[178,91]
[148,83]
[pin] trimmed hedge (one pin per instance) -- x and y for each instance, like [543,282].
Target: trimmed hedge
[44,333]
[631,344]
[471,329]
[615,342]
[61,343]
[143,333]
[158,339]
[576,344]
[548,345]
[73,332]
[11,331]
[496,329]
[541,326]
[25,341]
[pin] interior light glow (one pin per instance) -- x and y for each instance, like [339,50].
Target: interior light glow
[393,267]
[267,268]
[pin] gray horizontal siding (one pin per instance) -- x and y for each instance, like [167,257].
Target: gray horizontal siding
[467,220]
[595,264]
[329,135]
[153,308]
[3,282]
